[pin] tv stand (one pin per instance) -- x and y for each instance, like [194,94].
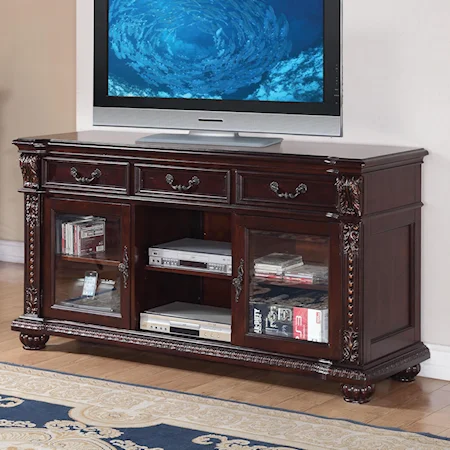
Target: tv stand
[352,212]
[210,138]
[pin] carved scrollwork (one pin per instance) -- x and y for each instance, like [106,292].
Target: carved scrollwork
[226,352]
[31,300]
[31,217]
[349,196]
[237,282]
[29,168]
[351,237]
[124,267]
[351,346]
[31,210]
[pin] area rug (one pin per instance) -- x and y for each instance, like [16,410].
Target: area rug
[41,409]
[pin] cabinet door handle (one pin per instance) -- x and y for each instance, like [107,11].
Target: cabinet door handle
[237,282]
[194,181]
[300,189]
[124,266]
[84,180]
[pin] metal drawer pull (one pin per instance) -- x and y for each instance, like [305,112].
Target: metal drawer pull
[194,181]
[84,180]
[300,189]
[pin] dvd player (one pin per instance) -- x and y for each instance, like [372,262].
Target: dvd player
[206,322]
[193,254]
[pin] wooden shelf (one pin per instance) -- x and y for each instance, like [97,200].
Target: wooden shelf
[193,272]
[288,283]
[102,260]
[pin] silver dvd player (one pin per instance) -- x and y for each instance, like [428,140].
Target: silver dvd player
[207,322]
[194,254]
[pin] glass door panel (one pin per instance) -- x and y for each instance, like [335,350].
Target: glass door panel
[87,287]
[288,278]
[89,254]
[288,285]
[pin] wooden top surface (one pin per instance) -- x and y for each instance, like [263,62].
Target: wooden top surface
[364,153]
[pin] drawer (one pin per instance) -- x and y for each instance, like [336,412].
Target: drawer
[187,183]
[280,190]
[86,174]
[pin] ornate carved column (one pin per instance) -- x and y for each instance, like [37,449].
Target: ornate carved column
[351,238]
[350,208]
[30,165]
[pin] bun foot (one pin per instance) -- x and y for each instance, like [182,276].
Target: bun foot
[33,341]
[407,375]
[357,394]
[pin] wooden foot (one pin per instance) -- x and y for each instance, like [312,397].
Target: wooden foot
[33,342]
[357,394]
[407,375]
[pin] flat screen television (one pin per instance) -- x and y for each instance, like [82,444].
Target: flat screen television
[219,67]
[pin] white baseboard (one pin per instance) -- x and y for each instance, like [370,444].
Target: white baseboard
[11,251]
[438,366]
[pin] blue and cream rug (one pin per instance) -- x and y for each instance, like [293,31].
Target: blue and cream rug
[49,410]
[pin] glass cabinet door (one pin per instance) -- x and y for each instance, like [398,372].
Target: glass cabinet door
[290,286]
[89,262]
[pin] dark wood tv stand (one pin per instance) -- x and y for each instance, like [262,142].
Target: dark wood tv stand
[353,209]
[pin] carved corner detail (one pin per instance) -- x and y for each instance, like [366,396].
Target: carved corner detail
[29,168]
[349,196]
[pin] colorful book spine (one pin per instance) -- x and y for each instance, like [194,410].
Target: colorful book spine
[310,324]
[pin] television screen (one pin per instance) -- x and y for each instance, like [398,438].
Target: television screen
[235,50]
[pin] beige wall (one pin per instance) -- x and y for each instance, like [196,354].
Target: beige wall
[37,88]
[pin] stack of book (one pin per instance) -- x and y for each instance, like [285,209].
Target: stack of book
[284,312]
[83,236]
[275,264]
[307,274]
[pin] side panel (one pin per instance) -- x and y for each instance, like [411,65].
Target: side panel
[392,188]
[391,286]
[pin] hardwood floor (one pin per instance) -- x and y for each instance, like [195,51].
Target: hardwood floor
[422,406]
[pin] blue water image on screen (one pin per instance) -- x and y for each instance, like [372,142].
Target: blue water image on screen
[263,50]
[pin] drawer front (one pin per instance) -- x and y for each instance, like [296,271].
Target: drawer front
[86,174]
[280,190]
[183,182]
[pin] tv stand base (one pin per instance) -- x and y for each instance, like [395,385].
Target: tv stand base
[208,138]
[358,384]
